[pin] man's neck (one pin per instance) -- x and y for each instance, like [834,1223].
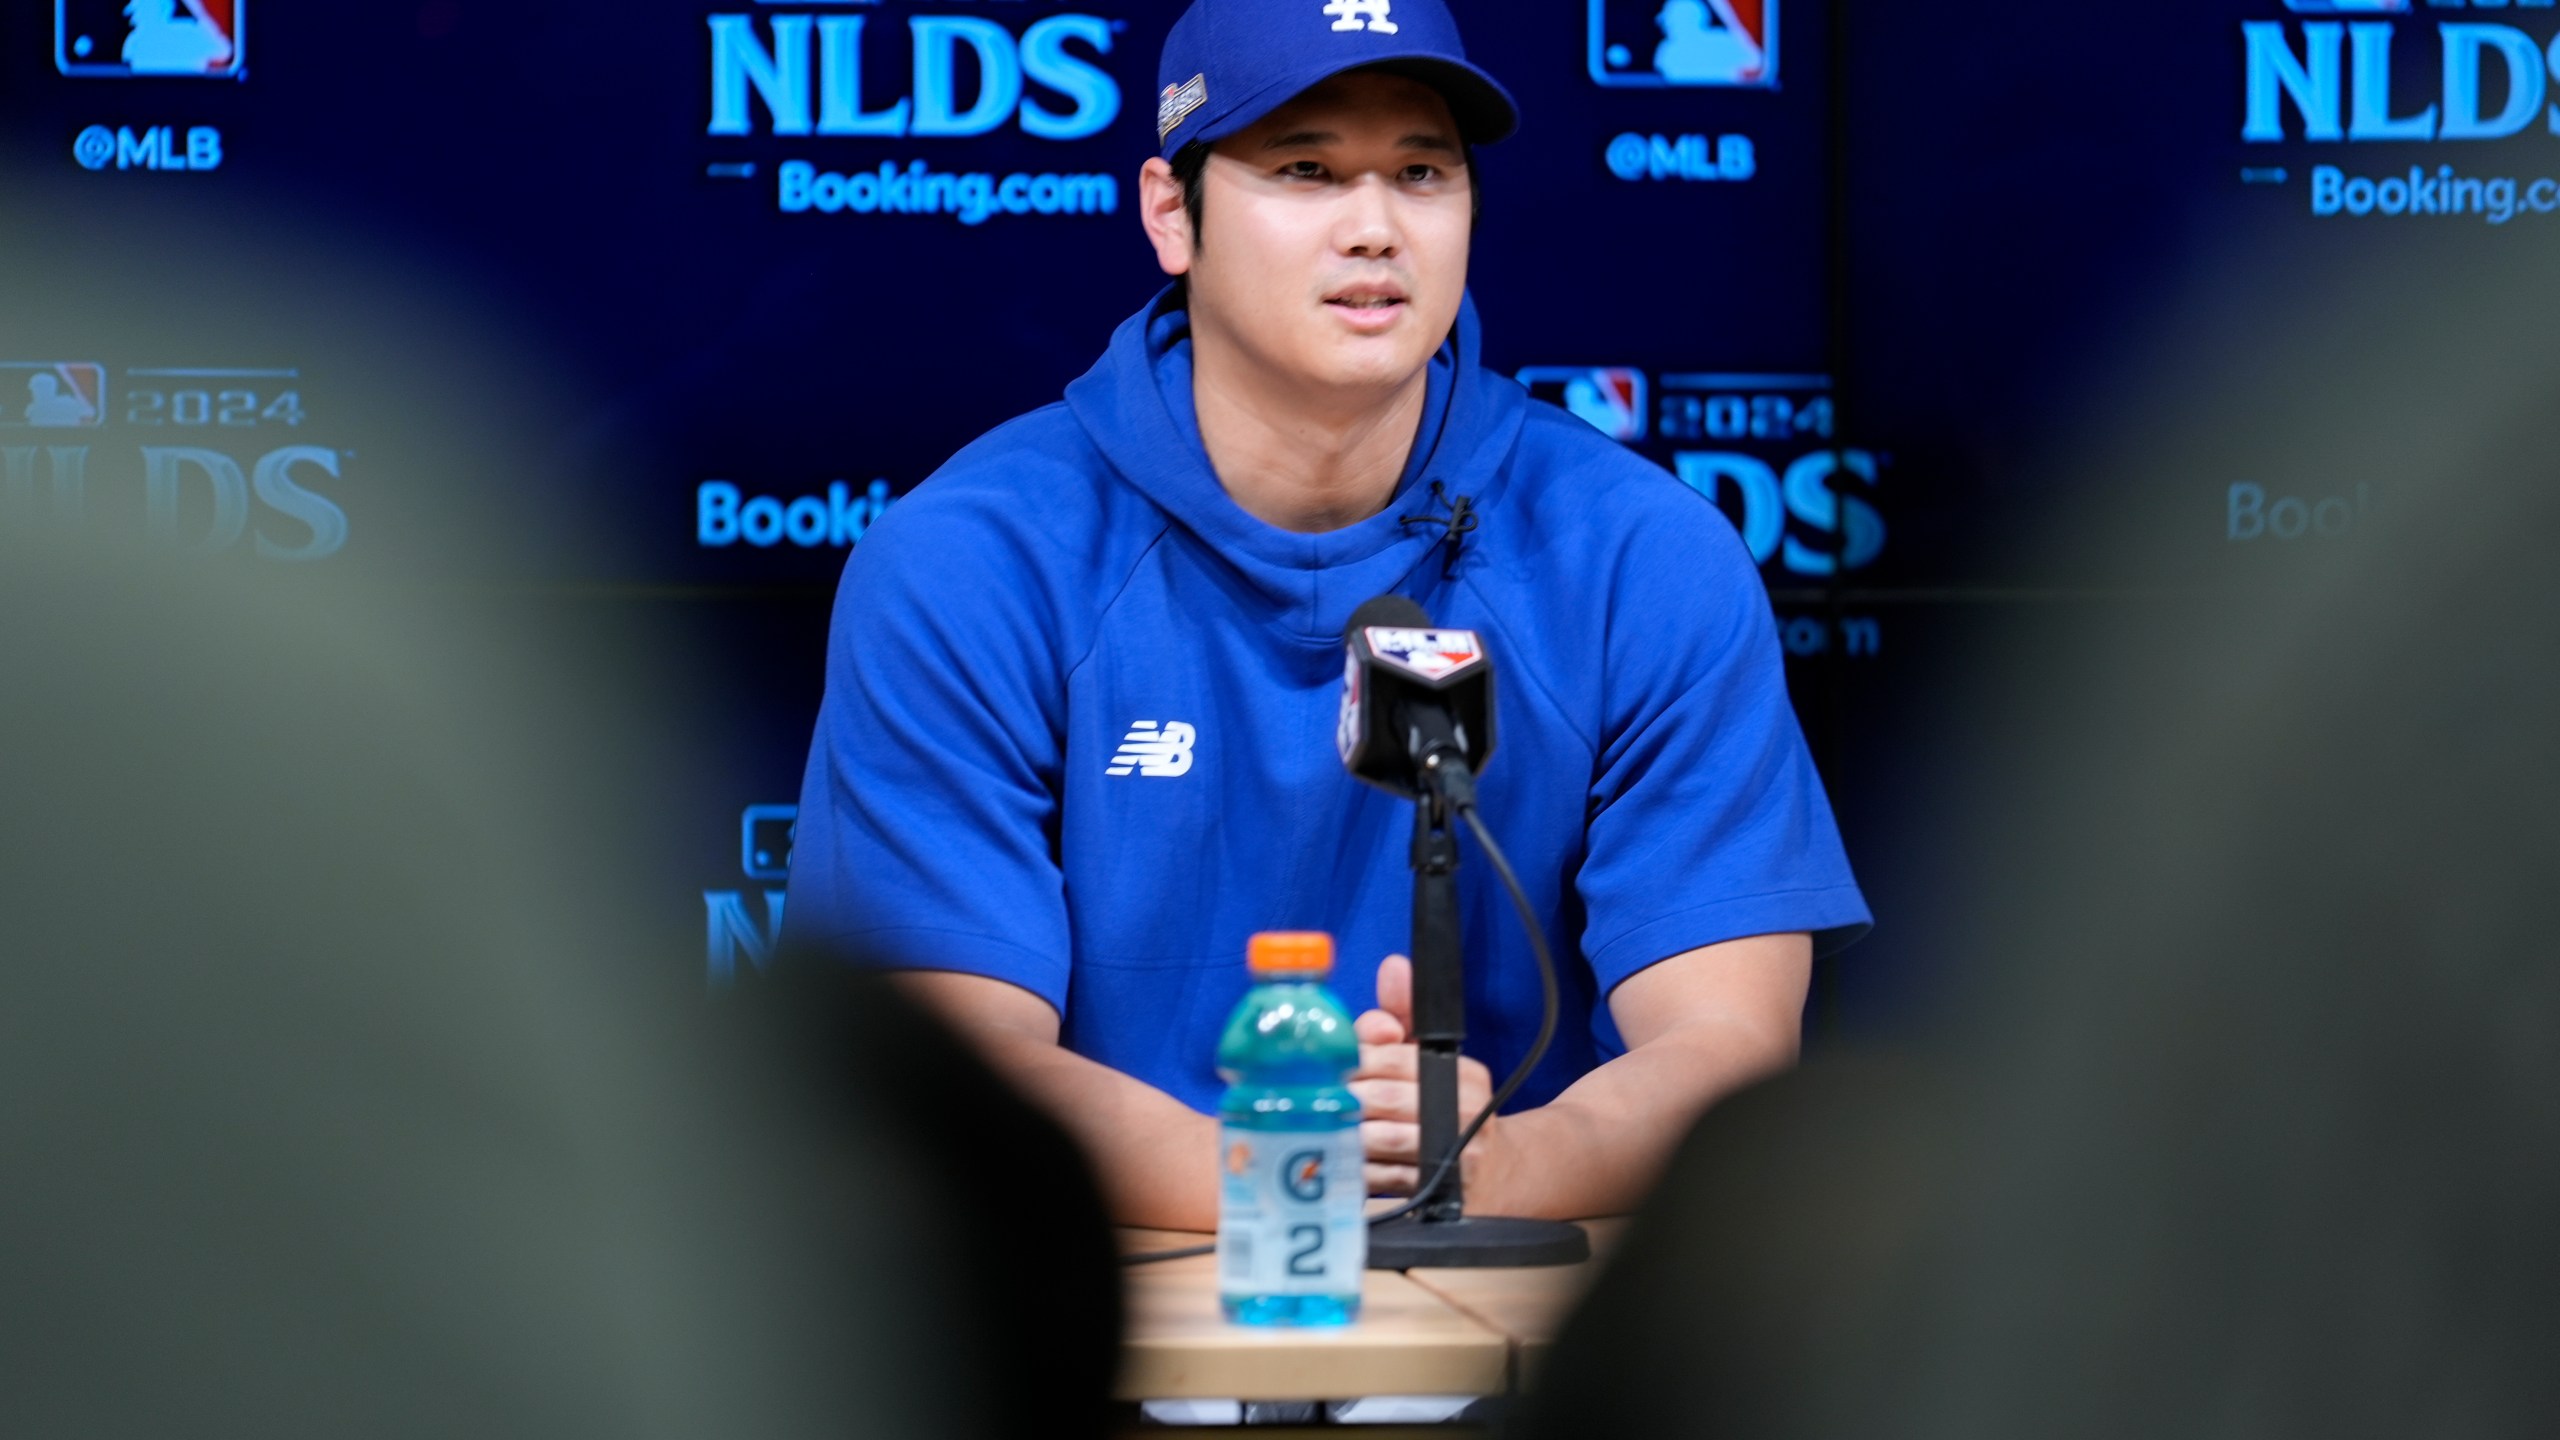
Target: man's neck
[1302,459]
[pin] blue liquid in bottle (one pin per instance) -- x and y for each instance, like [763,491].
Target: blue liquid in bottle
[1293,1236]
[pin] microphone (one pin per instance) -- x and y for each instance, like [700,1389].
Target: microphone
[1417,722]
[1417,703]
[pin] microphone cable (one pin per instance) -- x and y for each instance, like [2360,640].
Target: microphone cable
[1424,1193]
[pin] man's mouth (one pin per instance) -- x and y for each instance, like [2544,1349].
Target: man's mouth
[1366,300]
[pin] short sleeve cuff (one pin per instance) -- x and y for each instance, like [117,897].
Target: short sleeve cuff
[1835,917]
[915,947]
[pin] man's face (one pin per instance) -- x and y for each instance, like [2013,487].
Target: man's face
[1335,234]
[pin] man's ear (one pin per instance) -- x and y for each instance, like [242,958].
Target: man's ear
[1167,218]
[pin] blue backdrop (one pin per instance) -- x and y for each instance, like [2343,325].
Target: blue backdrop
[685,293]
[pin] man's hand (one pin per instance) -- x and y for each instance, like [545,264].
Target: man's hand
[1390,1092]
[1698,1026]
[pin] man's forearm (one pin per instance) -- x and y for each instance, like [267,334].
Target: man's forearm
[1156,1159]
[1699,1025]
[1597,1148]
[1155,1156]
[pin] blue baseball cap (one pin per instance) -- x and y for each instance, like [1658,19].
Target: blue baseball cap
[1228,63]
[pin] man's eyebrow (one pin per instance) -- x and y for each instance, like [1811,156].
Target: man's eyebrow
[1426,140]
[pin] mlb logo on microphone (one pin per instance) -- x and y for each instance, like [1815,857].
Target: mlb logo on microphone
[1611,397]
[130,38]
[1726,43]
[1432,654]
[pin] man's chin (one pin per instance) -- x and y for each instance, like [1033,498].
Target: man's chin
[1371,362]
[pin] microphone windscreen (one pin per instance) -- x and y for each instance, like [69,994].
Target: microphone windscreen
[1397,611]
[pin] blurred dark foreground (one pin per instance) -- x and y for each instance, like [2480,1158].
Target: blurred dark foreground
[2241,1114]
[339,1104]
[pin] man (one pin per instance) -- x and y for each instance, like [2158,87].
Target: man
[1077,740]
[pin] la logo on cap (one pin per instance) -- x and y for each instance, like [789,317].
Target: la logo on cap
[1361,15]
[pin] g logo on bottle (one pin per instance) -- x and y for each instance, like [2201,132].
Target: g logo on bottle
[1302,1175]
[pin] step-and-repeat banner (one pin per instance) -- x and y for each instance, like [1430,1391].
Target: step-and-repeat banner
[660,307]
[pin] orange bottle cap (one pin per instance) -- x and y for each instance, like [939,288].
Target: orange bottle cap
[1290,952]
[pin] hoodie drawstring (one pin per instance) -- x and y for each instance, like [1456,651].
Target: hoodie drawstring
[1460,523]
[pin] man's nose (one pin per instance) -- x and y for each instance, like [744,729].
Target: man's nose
[1366,226]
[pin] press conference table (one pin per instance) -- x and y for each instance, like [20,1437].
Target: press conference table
[1421,1332]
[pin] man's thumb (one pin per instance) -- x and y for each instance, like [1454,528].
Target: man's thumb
[1395,988]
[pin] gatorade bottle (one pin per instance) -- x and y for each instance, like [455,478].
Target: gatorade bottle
[1293,1239]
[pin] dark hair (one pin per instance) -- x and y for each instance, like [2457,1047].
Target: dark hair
[1191,164]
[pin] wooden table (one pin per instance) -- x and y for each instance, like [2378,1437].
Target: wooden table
[1527,1306]
[1426,1332]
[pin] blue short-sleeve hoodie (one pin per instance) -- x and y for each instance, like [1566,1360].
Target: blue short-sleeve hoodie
[1079,717]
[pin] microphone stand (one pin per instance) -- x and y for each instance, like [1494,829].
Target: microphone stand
[1440,1233]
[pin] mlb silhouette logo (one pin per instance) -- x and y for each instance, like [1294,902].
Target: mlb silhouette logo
[1611,397]
[128,38]
[764,840]
[1685,42]
[1432,654]
[52,395]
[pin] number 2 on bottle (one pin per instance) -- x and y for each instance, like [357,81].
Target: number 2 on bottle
[1302,1261]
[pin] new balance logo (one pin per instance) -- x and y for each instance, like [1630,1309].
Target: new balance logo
[1162,752]
[1361,14]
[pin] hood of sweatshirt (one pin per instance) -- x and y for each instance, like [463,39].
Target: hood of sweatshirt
[1135,403]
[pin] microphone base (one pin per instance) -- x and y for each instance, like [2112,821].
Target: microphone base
[1475,1242]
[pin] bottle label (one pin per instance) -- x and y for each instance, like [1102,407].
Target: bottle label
[1291,1212]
